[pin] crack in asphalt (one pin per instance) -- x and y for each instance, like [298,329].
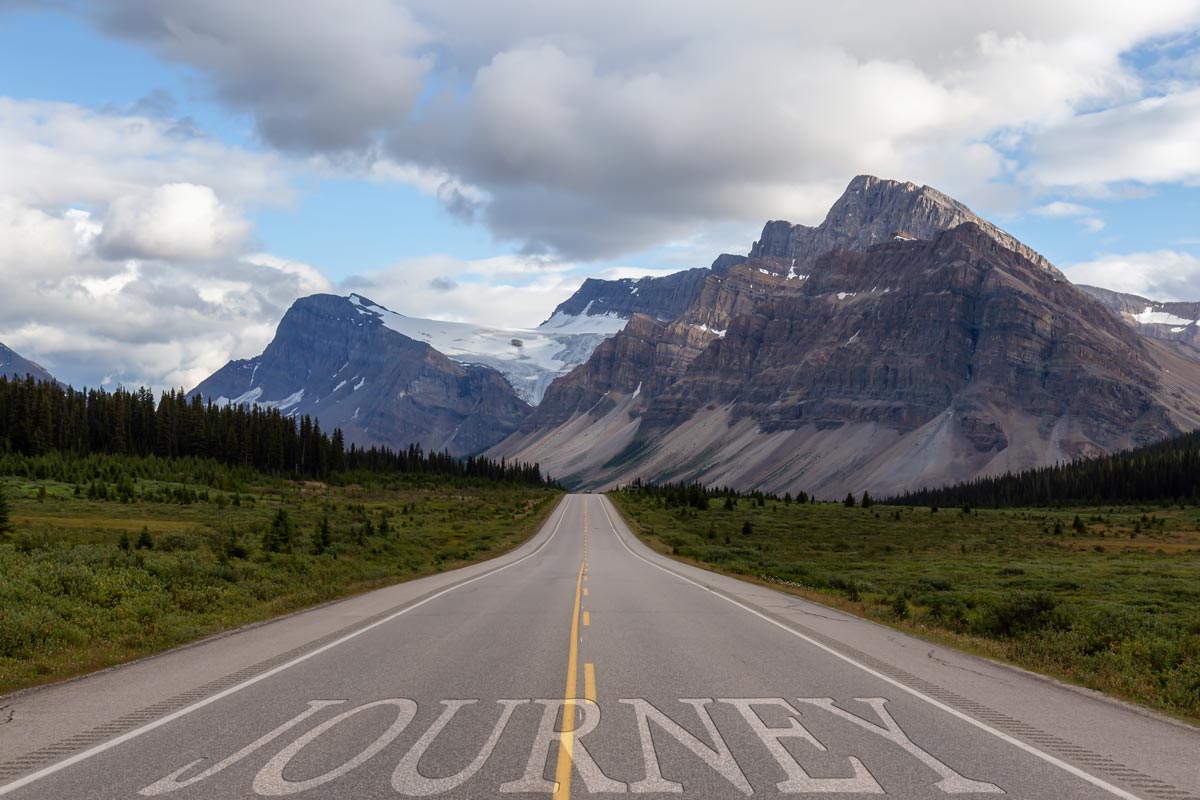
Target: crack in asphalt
[802,610]
[6,714]
[946,663]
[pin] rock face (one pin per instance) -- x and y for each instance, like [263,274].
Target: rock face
[346,368]
[884,367]
[14,365]
[1177,323]
[663,298]
[874,210]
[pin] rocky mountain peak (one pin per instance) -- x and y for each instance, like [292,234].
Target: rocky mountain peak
[874,210]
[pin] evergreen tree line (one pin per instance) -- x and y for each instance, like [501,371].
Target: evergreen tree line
[1166,472]
[40,418]
[696,495]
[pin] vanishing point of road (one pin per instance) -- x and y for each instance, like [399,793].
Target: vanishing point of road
[581,664]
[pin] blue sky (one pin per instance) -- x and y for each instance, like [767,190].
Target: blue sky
[224,164]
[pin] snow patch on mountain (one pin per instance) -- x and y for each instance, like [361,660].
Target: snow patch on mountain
[529,358]
[1152,317]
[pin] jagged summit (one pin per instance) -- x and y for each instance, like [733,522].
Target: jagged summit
[874,210]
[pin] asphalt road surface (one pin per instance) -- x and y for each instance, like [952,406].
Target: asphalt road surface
[579,665]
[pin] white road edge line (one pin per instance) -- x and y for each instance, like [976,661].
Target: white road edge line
[1092,779]
[158,723]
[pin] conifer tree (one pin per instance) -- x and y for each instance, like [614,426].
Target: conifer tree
[322,537]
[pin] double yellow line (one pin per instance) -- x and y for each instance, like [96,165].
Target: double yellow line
[566,737]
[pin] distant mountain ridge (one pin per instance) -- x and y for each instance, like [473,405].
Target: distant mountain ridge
[662,297]
[13,365]
[1175,322]
[904,355]
[334,358]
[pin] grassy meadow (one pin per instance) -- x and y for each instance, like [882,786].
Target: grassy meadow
[1107,598]
[87,582]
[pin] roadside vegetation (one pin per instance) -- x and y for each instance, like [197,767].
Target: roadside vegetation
[108,558]
[1104,596]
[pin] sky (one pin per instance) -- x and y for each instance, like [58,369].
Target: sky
[175,173]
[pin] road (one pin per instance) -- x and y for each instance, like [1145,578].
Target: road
[581,664]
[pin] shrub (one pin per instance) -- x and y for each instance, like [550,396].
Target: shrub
[1017,615]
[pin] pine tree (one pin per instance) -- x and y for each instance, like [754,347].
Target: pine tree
[278,537]
[144,541]
[867,501]
[849,502]
[322,538]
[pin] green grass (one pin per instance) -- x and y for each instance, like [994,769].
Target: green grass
[1113,605]
[73,600]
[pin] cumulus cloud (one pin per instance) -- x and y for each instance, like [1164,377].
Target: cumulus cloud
[591,130]
[122,259]
[1159,275]
[176,222]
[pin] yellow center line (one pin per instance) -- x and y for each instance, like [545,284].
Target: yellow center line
[587,619]
[585,592]
[566,738]
[589,682]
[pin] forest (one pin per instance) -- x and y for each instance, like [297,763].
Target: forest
[1165,472]
[40,418]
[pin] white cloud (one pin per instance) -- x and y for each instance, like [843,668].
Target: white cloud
[511,291]
[1060,208]
[1152,140]
[591,130]
[1159,275]
[121,247]
[174,222]
[1084,215]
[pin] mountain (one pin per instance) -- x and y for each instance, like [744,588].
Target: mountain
[663,298]
[337,359]
[874,210]
[12,364]
[530,358]
[903,355]
[1178,323]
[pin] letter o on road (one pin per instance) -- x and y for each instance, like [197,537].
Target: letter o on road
[270,780]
